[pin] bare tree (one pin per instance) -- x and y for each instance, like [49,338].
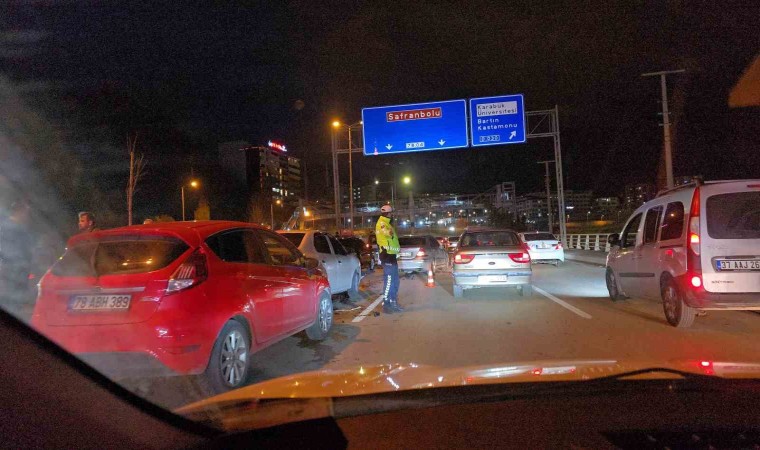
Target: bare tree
[136,170]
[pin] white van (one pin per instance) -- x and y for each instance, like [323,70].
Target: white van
[696,247]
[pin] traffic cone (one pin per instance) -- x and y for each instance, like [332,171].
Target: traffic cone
[430,280]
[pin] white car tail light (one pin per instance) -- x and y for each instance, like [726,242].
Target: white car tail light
[520,257]
[460,258]
[193,271]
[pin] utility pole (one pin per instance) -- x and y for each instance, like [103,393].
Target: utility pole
[666,121]
[547,179]
[350,182]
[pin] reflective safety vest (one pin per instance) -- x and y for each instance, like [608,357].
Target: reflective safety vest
[386,236]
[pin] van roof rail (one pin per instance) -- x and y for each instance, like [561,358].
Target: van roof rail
[696,181]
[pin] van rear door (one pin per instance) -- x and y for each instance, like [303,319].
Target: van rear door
[731,237]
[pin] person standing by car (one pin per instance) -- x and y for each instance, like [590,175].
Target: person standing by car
[387,241]
[86,222]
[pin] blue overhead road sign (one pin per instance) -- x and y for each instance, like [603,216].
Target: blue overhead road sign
[497,120]
[417,127]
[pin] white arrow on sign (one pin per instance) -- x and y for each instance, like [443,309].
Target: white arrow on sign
[389,146]
[512,134]
[441,142]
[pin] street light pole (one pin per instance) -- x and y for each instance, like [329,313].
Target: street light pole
[665,122]
[393,191]
[350,182]
[271,211]
[193,184]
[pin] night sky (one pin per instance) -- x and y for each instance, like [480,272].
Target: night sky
[185,79]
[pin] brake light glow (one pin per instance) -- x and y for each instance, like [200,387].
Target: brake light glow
[421,253]
[707,367]
[520,257]
[460,258]
[558,246]
[693,261]
[694,223]
[190,273]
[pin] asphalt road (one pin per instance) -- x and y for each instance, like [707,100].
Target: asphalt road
[569,316]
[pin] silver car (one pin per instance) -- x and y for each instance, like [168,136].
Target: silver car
[420,254]
[342,267]
[491,257]
[695,247]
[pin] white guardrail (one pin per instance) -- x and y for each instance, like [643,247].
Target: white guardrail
[594,242]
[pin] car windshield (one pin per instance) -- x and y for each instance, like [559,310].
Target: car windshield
[411,241]
[489,239]
[590,174]
[734,216]
[295,238]
[124,256]
[528,237]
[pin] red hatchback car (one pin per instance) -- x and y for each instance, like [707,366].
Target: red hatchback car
[181,298]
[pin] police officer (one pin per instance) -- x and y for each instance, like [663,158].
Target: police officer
[387,241]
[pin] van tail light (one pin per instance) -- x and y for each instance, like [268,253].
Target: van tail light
[558,246]
[460,258]
[520,257]
[693,261]
[421,253]
[694,223]
[193,271]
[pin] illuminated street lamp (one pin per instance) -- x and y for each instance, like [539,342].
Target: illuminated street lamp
[193,184]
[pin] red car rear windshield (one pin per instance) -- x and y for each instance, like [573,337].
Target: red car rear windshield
[115,257]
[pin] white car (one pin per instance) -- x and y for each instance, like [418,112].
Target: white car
[342,267]
[695,247]
[543,247]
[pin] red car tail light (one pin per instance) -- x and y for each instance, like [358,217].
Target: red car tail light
[190,273]
[421,253]
[460,258]
[693,261]
[558,246]
[520,257]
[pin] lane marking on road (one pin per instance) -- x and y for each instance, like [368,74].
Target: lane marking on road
[561,302]
[368,309]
